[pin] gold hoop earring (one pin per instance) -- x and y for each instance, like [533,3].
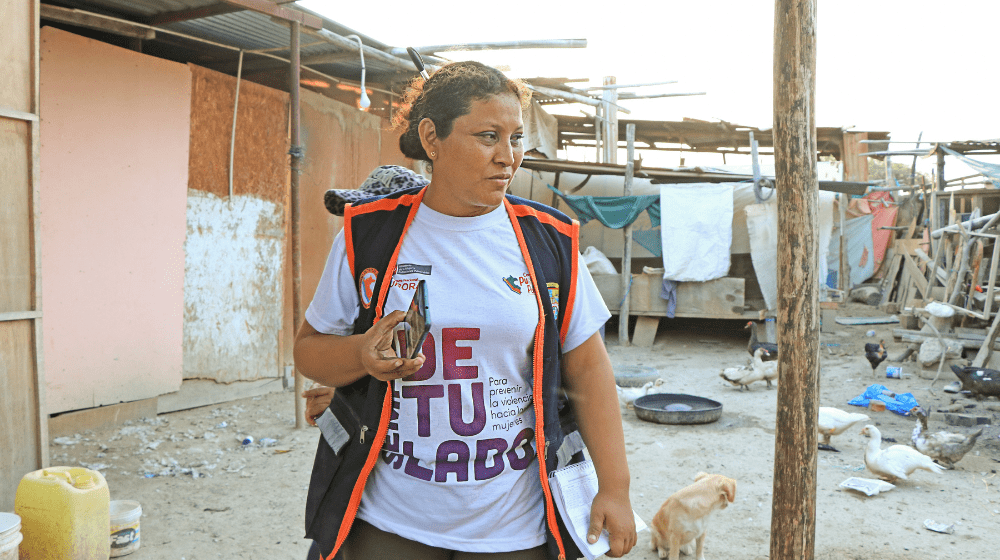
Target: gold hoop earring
[433,154]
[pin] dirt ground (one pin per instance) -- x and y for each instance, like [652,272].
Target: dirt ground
[204,495]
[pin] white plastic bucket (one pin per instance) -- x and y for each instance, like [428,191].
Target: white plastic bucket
[10,536]
[125,516]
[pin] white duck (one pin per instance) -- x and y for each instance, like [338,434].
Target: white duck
[627,395]
[833,421]
[759,371]
[896,461]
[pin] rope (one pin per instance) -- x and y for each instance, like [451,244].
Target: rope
[627,290]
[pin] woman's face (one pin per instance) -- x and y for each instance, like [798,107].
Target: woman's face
[474,165]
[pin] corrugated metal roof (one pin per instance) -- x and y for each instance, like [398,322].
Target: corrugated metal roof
[247,30]
[147,8]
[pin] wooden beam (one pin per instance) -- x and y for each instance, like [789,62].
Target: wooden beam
[216,9]
[20,315]
[273,10]
[917,277]
[793,509]
[95,21]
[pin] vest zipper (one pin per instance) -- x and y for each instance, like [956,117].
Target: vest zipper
[363,430]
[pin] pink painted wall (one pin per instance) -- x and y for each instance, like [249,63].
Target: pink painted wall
[113,180]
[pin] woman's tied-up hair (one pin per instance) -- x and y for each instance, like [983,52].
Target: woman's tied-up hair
[447,95]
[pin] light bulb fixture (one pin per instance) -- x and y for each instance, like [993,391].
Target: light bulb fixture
[365,102]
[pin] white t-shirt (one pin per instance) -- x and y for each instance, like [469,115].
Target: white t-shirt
[458,468]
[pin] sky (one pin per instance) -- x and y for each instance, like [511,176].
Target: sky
[903,66]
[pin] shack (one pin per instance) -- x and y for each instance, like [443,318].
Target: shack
[745,285]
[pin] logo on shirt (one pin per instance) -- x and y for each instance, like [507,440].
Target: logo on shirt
[554,298]
[409,268]
[513,283]
[367,287]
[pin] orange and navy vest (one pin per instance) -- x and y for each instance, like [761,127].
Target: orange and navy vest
[374,230]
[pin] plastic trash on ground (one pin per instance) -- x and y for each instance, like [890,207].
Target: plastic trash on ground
[867,486]
[899,403]
[931,525]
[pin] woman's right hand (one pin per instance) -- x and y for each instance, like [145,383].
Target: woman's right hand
[378,356]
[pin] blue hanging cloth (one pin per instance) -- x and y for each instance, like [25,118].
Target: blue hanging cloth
[614,212]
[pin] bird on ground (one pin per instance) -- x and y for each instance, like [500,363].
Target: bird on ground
[754,344]
[981,382]
[759,371]
[832,422]
[875,354]
[627,395]
[947,448]
[896,461]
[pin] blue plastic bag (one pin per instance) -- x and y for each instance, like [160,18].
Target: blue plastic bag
[900,404]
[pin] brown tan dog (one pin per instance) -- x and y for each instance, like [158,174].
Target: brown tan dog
[683,518]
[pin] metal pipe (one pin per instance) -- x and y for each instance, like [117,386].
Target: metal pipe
[659,95]
[295,151]
[496,45]
[365,102]
[623,86]
[552,92]
[372,53]
[232,135]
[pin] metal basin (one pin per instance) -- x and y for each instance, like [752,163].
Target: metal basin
[675,408]
[634,376]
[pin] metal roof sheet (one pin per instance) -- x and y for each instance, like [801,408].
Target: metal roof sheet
[247,30]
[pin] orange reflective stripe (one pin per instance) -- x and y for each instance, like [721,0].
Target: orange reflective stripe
[383,423]
[537,371]
[349,237]
[391,203]
[571,295]
[524,210]
[359,487]
[414,200]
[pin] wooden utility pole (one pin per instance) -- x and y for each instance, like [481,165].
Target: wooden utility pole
[793,511]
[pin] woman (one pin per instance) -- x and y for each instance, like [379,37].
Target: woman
[446,455]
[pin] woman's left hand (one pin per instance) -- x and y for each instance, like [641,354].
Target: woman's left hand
[613,512]
[317,400]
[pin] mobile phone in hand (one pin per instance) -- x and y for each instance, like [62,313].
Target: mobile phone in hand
[419,320]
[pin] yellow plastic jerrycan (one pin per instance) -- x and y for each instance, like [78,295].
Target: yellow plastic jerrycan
[64,514]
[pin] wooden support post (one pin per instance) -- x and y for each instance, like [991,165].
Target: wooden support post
[609,97]
[844,272]
[940,169]
[296,163]
[598,132]
[793,510]
[627,250]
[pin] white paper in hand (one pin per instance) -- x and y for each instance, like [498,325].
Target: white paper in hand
[573,490]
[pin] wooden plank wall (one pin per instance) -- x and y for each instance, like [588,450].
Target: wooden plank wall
[23,423]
